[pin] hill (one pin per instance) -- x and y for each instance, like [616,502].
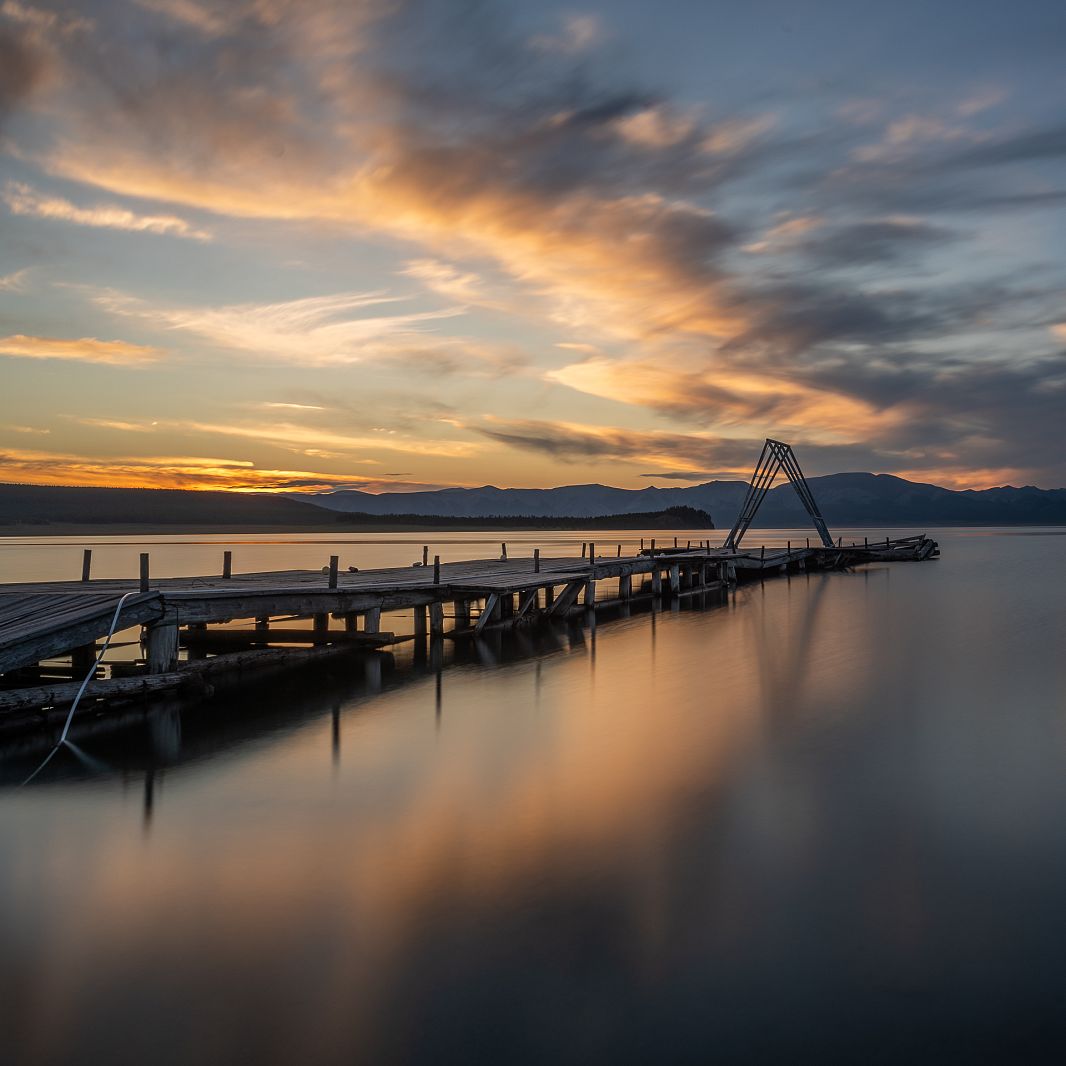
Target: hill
[855,499]
[35,505]
[673,518]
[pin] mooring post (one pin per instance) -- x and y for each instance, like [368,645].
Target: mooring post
[592,553]
[436,620]
[425,555]
[866,542]
[762,553]
[334,560]
[675,579]
[583,547]
[227,564]
[656,582]
[144,571]
[789,549]
[436,569]
[625,586]
[536,560]
[619,555]
[372,620]
[590,594]
[675,542]
[642,544]
[86,563]
[808,544]
[503,551]
[420,622]
[653,545]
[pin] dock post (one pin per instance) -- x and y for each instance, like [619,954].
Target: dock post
[462,614]
[625,586]
[592,553]
[590,594]
[642,545]
[675,542]
[162,647]
[333,564]
[420,622]
[436,569]
[351,623]
[503,552]
[425,555]
[549,596]
[227,564]
[321,623]
[436,620]
[653,545]
[144,571]
[619,555]
[372,620]
[536,560]
[86,563]
[656,582]
[675,580]
[583,547]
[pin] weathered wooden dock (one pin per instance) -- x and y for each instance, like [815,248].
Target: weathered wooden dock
[49,631]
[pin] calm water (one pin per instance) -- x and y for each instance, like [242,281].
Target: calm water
[824,821]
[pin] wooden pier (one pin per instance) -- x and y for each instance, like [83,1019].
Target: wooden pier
[49,631]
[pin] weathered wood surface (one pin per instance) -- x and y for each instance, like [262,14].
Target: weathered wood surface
[193,675]
[42,620]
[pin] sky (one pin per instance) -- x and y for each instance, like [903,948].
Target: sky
[296,245]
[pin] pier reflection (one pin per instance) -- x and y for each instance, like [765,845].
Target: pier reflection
[704,834]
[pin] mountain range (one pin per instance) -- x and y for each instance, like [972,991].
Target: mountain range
[855,499]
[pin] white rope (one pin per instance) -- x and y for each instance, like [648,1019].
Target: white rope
[84,684]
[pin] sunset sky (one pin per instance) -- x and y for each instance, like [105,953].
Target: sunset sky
[291,244]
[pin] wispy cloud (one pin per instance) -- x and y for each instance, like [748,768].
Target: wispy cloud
[23,200]
[178,472]
[14,282]
[82,350]
[312,330]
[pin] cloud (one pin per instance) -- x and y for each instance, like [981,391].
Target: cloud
[22,67]
[178,472]
[22,200]
[83,350]
[692,475]
[313,330]
[14,282]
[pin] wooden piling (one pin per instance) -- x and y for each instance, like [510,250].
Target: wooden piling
[503,551]
[227,564]
[436,620]
[372,620]
[334,562]
[436,569]
[536,560]
[144,571]
[425,555]
[86,563]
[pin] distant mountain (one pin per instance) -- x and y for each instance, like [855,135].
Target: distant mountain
[845,499]
[674,518]
[55,504]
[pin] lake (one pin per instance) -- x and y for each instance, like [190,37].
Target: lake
[823,820]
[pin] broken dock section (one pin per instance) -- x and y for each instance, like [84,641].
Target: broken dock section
[199,632]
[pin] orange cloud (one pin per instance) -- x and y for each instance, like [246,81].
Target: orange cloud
[22,200]
[82,350]
[174,472]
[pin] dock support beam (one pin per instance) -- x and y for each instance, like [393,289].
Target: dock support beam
[162,650]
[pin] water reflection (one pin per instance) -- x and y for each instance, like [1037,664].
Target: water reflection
[805,824]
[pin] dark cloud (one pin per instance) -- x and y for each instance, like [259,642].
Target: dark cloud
[21,67]
[876,242]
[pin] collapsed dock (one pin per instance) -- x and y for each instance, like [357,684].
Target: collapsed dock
[199,632]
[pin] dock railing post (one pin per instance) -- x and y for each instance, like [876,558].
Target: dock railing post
[334,560]
[227,564]
[144,571]
[86,563]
